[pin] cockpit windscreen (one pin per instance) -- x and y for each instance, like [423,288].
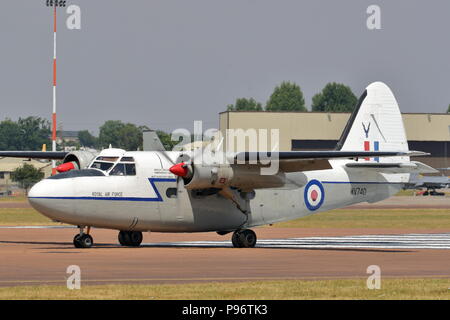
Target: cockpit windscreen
[104,166]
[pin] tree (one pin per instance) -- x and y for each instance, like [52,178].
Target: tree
[166,140]
[10,135]
[27,175]
[26,134]
[448,110]
[335,97]
[109,133]
[35,132]
[130,137]
[243,104]
[87,139]
[286,97]
[120,135]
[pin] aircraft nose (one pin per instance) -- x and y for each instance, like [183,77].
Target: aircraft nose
[46,197]
[37,191]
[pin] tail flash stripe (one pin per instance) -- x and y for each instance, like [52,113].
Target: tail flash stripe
[366,147]
[376,147]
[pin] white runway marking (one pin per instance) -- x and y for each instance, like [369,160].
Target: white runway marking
[400,241]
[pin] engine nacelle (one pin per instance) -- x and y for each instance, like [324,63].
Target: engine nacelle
[238,176]
[79,160]
[204,177]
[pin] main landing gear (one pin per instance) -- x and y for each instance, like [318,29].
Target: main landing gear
[83,240]
[126,238]
[244,238]
[130,238]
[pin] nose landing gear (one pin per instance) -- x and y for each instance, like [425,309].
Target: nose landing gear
[244,238]
[130,238]
[83,240]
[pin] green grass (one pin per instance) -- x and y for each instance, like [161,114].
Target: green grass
[21,198]
[338,218]
[406,193]
[374,218]
[286,289]
[23,216]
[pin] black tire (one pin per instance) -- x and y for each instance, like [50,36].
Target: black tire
[86,241]
[248,238]
[124,238]
[76,241]
[130,238]
[135,238]
[236,239]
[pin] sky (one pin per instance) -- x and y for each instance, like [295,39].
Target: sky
[166,63]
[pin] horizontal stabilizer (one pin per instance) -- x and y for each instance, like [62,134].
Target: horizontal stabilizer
[404,167]
[291,155]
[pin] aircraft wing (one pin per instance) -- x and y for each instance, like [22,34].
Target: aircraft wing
[293,161]
[411,167]
[52,155]
[333,154]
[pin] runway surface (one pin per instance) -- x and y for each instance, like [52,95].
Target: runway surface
[402,241]
[376,241]
[34,256]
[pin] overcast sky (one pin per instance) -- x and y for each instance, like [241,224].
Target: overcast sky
[166,63]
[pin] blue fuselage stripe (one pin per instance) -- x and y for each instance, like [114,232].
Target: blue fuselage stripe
[158,197]
[100,198]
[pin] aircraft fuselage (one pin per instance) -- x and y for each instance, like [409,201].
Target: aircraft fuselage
[151,199]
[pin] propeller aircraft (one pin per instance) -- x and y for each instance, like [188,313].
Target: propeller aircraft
[173,191]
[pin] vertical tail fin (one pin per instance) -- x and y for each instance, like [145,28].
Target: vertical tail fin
[376,124]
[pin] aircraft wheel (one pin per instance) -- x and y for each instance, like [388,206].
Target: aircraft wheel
[76,241]
[123,238]
[244,238]
[248,238]
[130,238]
[235,239]
[135,238]
[83,241]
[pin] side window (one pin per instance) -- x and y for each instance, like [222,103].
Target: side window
[104,166]
[130,169]
[123,169]
[118,170]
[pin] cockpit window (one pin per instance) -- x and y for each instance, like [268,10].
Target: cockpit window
[127,159]
[123,169]
[130,169]
[104,166]
[78,173]
[110,159]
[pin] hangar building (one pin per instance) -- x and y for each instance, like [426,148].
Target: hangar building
[428,132]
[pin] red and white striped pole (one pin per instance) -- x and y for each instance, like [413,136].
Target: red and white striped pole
[54,91]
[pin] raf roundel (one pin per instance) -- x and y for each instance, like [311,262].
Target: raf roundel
[314,195]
